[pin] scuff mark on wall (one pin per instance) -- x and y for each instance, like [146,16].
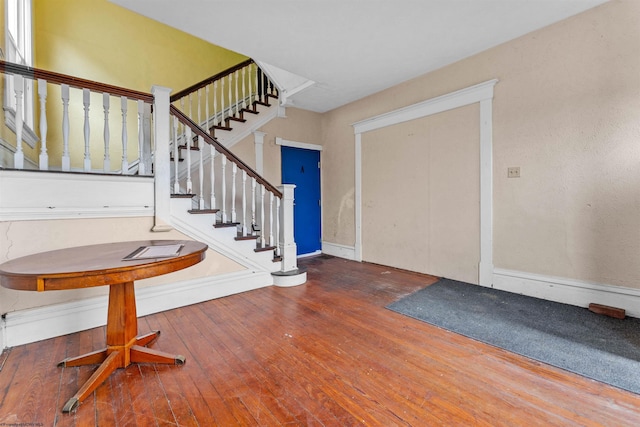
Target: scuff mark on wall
[347,203]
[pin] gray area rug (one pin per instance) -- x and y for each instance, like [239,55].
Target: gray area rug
[565,336]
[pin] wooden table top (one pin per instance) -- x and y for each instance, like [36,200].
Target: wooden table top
[94,265]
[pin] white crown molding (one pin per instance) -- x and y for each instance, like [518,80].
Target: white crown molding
[568,291]
[296,144]
[449,101]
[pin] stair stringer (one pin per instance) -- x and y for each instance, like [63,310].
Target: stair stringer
[242,130]
[200,227]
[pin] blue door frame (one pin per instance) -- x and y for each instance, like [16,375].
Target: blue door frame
[301,167]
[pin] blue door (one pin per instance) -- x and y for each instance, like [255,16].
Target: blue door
[302,168]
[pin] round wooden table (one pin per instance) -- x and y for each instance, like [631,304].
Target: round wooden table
[101,265]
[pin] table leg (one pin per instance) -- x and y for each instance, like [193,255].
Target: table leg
[93,358]
[123,345]
[99,376]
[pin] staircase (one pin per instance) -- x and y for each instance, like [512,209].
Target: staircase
[214,193]
[201,188]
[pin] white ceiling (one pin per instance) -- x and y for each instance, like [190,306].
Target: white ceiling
[353,48]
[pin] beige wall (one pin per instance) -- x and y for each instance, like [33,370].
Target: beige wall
[566,111]
[22,238]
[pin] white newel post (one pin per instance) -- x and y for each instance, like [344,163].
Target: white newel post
[288,248]
[162,168]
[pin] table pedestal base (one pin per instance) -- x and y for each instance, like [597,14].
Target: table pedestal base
[124,347]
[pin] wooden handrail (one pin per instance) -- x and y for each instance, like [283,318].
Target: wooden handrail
[222,149]
[53,77]
[209,80]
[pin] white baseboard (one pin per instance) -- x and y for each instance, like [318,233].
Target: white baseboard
[26,326]
[567,291]
[340,251]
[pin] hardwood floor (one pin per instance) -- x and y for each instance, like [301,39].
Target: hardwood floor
[324,353]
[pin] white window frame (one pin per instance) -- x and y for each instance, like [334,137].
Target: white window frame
[19,50]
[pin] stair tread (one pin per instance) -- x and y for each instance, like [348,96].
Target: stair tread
[182,196]
[226,224]
[250,110]
[222,127]
[235,119]
[248,237]
[266,104]
[184,147]
[260,248]
[203,211]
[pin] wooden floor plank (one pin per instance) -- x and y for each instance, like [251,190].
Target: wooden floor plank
[326,353]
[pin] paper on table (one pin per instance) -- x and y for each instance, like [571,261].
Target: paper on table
[160,251]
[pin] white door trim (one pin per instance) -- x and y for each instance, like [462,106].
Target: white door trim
[482,93]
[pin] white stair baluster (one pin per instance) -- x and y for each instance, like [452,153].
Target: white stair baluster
[66,159]
[258,95]
[262,237]
[271,240]
[237,100]
[224,188]
[141,168]
[201,173]
[125,161]
[212,174]
[176,155]
[250,79]
[18,85]
[42,93]
[230,77]
[199,110]
[244,88]
[244,202]
[106,164]
[234,172]
[206,110]
[86,102]
[277,252]
[253,205]
[222,95]
[215,103]
[187,145]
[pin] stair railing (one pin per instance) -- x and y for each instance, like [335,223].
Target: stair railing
[218,100]
[239,195]
[77,147]
[263,211]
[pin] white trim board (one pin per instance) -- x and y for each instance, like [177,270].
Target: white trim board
[568,291]
[340,251]
[67,196]
[296,144]
[481,93]
[35,324]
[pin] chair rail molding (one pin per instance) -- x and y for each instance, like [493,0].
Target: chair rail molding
[480,93]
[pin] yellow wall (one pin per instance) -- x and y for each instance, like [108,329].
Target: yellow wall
[97,40]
